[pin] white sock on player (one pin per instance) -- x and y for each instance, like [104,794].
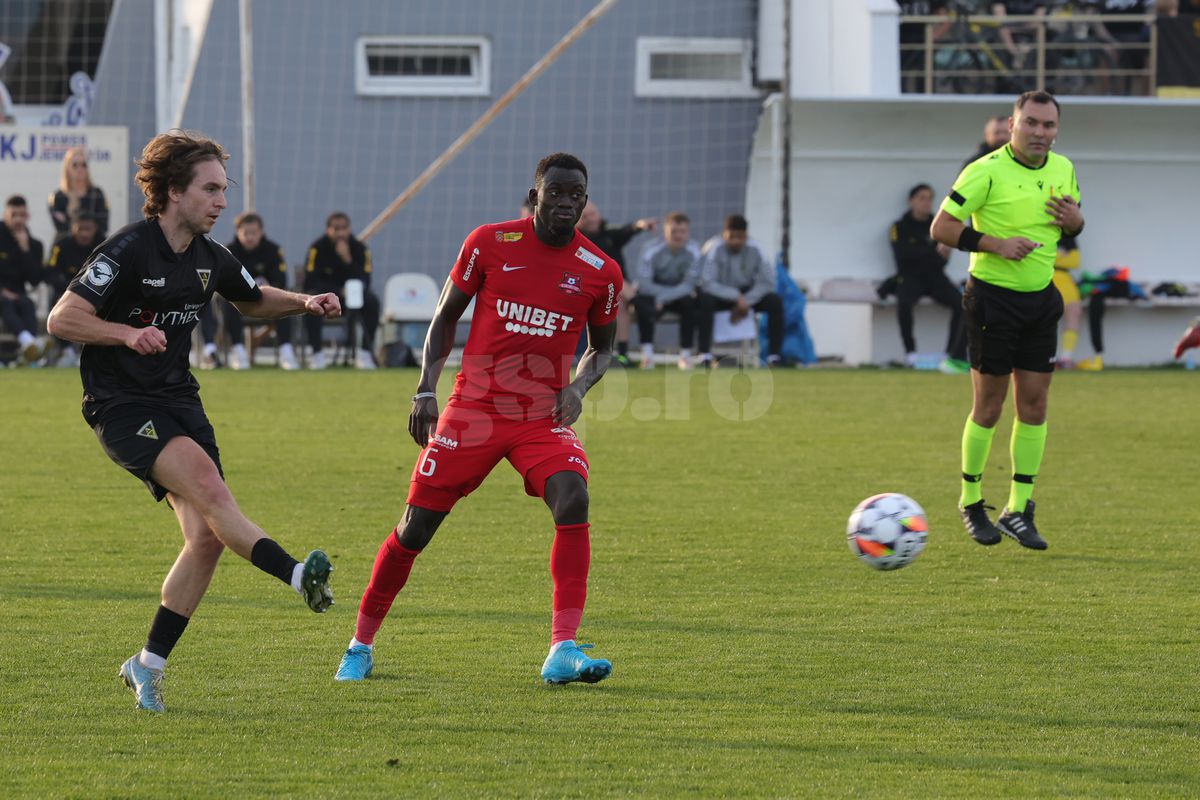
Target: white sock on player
[151,661]
[297,575]
[356,643]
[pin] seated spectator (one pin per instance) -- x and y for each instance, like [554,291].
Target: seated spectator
[920,267]
[335,258]
[1018,37]
[77,192]
[738,277]
[20,263]
[67,257]
[912,38]
[1119,35]
[667,278]
[612,240]
[264,260]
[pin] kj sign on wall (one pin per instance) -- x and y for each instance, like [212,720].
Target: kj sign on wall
[31,165]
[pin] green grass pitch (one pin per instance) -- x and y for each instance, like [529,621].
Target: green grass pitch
[753,656]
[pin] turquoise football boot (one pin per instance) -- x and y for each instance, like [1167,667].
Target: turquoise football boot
[145,683]
[357,663]
[568,663]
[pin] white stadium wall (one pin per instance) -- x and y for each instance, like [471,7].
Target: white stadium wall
[853,162]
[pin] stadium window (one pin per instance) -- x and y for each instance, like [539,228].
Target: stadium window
[423,66]
[682,67]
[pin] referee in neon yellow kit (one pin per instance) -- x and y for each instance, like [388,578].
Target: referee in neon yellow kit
[1021,199]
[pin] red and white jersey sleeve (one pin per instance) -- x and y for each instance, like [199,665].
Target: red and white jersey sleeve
[532,303]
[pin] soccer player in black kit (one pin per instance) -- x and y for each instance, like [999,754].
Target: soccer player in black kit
[133,307]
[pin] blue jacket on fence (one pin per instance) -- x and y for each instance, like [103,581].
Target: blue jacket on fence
[797,344]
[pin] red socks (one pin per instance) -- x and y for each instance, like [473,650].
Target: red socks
[569,560]
[392,565]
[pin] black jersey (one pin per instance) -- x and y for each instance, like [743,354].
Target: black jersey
[265,261]
[134,278]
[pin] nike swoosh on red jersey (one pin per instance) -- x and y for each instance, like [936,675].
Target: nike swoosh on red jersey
[507,268]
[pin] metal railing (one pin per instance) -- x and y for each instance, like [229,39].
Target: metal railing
[1064,53]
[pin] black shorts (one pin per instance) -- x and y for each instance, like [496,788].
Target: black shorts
[134,433]
[1009,330]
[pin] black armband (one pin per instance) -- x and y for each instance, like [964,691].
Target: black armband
[968,240]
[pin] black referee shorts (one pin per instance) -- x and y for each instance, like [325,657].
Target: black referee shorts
[1009,330]
[133,434]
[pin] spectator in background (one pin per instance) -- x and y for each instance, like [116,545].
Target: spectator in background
[1018,37]
[77,192]
[264,260]
[335,258]
[667,278]
[20,263]
[1118,35]
[1068,258]
[612,240]
[995,136]
[737,276]
[67,256]
[921,272]
[912,34]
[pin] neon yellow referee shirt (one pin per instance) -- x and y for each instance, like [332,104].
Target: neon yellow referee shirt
[1005,198]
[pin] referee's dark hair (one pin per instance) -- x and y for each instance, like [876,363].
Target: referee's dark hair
[169,162]
[919,187]
[736,222]
[1037,97]
[563,160]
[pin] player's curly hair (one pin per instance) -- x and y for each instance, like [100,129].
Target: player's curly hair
[563,160]
[169,162]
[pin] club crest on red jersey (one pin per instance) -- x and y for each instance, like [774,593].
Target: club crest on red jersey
[571,283]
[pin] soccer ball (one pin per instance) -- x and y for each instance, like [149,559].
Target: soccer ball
[887,531]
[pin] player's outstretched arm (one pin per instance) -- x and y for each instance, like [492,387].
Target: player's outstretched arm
[276,303]
[439,341]
[591,369]
[75,320]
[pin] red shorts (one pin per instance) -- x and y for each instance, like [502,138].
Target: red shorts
[469,442]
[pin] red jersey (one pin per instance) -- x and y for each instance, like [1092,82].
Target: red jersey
[532,302]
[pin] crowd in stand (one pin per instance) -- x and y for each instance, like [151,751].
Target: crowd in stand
[973,56]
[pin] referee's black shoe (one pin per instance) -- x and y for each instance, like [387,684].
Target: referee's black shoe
[1019,526]
[975,518]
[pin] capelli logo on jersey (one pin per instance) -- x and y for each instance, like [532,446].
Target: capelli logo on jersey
[531,320]
[470,265]
[158,283]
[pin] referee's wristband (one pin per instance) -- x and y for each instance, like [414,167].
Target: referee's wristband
[969,239]
[423,395]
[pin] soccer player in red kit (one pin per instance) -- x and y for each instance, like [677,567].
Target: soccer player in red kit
[537,282]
